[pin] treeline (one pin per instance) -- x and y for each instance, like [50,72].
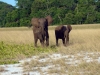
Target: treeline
[62,11]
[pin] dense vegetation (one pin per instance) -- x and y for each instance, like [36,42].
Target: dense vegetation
[12,53]
[62,11]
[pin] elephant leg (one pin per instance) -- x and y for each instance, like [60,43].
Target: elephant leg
[63,40]
[67,38]
[41,38]
[42,42]
[35,42]
[47,39]
[56,41]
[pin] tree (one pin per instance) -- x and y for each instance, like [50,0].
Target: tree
[97,18]
[62,11]
[69,19]
[4,9]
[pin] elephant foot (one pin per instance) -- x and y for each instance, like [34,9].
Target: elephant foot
[42,45]
[65,45]
[35,45]
[47,45]
[68,43]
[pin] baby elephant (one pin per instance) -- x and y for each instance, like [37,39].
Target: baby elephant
[62,32]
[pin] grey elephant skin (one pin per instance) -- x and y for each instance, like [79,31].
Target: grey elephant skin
[62,32]
[40,29]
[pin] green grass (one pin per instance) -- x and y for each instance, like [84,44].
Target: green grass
[11,53]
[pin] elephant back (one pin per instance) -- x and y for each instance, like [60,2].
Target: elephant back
[58,27]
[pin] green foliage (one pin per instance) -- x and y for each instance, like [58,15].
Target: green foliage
[24,22]
[69,18]
[11,53]
[62,11]
[4,9]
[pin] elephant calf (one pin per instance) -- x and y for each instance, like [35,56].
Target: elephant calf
[62,32]
[40,29]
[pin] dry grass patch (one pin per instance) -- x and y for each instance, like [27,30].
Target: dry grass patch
[50,66]
[18,37]
[86,26]
[28,66]
[85,68]
[83,39]
[60,67]
[2,69]
[86,39]
[57,71]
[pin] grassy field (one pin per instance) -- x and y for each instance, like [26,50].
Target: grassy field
[17,43]
[20,40]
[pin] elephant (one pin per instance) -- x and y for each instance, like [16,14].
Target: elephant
[62,32]
[40,29]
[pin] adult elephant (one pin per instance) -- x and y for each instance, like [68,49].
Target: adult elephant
[62,32]
[40,29]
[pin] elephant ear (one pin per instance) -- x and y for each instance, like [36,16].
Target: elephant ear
[49,19]
[34,21]
[69,28]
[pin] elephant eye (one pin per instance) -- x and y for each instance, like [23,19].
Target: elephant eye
[35,26]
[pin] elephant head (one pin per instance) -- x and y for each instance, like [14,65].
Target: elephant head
[62,32]
[40,29]
[69,28]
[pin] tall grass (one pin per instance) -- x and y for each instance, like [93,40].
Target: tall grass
[17,43]
[86,39]
[85,69]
